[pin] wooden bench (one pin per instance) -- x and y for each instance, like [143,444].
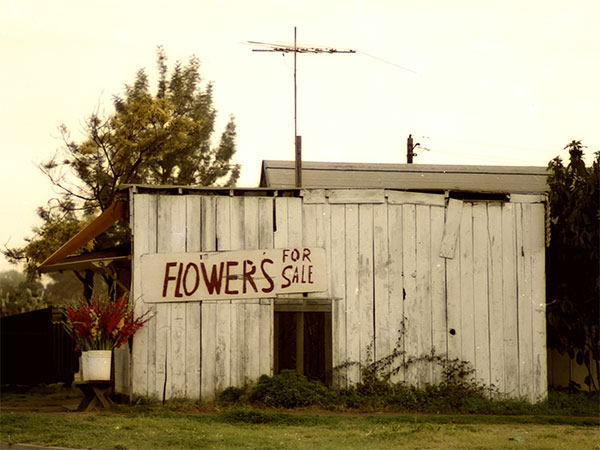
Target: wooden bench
[93,392]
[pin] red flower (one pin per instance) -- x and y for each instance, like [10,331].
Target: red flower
[102,324]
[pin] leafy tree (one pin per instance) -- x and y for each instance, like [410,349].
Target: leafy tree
[161,138]
[18,294]
[573,267]
[62,288]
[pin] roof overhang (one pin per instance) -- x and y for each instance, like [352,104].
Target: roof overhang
[417,177]
[61,259]
[94,261]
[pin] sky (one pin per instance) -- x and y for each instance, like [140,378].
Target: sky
[480,82]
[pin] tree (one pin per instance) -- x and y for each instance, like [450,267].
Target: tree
[18,294]
[573,260]
[165,138]
[62,288]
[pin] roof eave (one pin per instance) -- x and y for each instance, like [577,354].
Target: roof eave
[99,225]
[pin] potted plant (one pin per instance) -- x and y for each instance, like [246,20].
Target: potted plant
[98,325]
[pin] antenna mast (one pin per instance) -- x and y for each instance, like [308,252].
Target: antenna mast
[286,48]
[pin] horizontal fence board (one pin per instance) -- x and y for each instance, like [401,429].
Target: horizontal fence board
[414,198]
[356,196]
[312,196]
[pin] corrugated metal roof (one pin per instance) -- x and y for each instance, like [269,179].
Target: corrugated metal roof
[422,177]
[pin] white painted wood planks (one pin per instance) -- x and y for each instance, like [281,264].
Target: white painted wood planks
[466,279]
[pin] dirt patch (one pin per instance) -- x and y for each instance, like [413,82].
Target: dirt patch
[40,405]
[42,399]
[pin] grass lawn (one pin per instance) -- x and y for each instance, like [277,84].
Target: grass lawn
[46,417]
[258,429]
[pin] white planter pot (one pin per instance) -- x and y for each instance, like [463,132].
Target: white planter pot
[96,365]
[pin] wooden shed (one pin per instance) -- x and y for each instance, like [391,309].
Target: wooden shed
[329,278]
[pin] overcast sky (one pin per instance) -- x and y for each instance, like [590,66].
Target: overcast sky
[490,82]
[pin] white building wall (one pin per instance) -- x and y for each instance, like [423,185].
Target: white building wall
[407,271]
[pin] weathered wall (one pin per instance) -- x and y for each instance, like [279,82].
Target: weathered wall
[483,301]
[194,349]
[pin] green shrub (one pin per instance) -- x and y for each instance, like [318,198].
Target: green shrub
[574,403]
[232,396]
[289,389]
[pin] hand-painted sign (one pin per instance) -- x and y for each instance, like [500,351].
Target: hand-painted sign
[175,277]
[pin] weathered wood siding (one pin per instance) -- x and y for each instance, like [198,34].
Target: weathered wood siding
[407,271]
[195,349]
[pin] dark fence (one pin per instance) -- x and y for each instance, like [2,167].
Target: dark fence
[35,348]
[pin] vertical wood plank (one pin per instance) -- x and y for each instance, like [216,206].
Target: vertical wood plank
[209,308]
[193,336]
[453,298]
[309,239]
[496,275]
[176,359]
[438,291]
[266,332]
[365,283]
[223,323]
[144,219]
[381,263]
[337,289]
[509,301]
[237,325]
[294,218]
[265,222]
[323,240]
[538,301]
[168,220]
[280,239]
[451,225]
[480,290]
[122,370]
[352,289]
[250,312]
[309,225]
[422,311]
[467,323]
[396,289]
[161,388]
[525,332]
[411,300]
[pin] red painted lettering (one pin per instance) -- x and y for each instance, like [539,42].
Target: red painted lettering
[266,275]
[304,275]
[214,284]
[247,277]
[178,285]
[288,282]
[310,273]
[295,276]
[284,254]
[228,277]
[196,279]
[168,277]
[306,254]
[178,282]
[295,255]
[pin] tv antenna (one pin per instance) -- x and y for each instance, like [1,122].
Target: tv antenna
[295,49]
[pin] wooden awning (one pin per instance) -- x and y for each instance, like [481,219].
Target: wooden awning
[96,261]
[61,259]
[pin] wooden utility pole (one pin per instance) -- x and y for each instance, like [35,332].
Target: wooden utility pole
[297,139]
[410,149]
[286,48]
